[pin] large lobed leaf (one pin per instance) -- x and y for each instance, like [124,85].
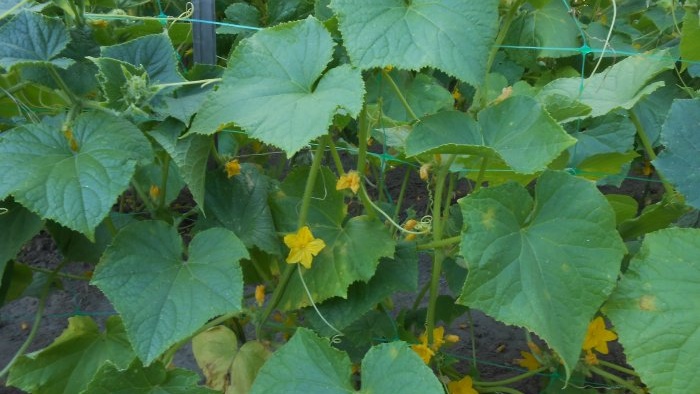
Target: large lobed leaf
[680,162]
[546,264]
[18,226]
[163,297]
[75,188]
[619,86]
[655,311]
[137,379]
[31,38]
[276,90]
[390,367]
[69,363]
[454,36]
[518,130]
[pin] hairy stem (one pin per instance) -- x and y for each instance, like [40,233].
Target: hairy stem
[400,95]
[439,255]
[303,213]
[37,318]
[649,149]
[363,134]
[511,380]
[618,380]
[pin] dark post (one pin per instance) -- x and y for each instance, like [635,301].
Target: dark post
[204,34]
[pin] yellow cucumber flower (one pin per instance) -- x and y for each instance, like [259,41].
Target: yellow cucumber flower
[424,352]
[303,247]
[528,361]
[597,336]
[462,386]
[260,294]
[351,181]
[233,168]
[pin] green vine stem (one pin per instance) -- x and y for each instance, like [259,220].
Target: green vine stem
[59,274]
[400,95]
[482,171]
[617,367]
[13,9]
[362,136]
[618,380]
[510,14]
[164,181]
[402,194]
[439,255]
[441,243]
[37,318]
[511,380]
[334,154]
[649,149]
[497,389]
[167,357]
[62,84]
[303,213]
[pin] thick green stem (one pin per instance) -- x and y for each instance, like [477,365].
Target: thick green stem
[362,136]
[482,171]
[439,255]
[303,214]
[617,367]
[618,380]
[62,84]
[496,46]
[441,243]
[164,181]
[37,318]
[497,389]
[511,380]
[649,149]
[400,95]
[421,294]
[167,357]
[59,274]
[13,9]
[334,154]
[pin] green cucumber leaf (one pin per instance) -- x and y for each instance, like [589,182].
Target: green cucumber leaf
[680,162]
[18,226]
[305,364]
[75,246]
[550,26]
[214,351]
[394,367]
[453,36]
[248,361]
[546,264]
[137,379]
[31,38]
[154,53]
[353,247]
[276,90]
[612,133]
[690,39]
[162,297]
[518,130]
[422,92]
[399,273]
[189,153]
[7,5]
[619,86]
[240,205]
[654,310]
[654,217]
[69,363]
[75,188]
[385,368]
